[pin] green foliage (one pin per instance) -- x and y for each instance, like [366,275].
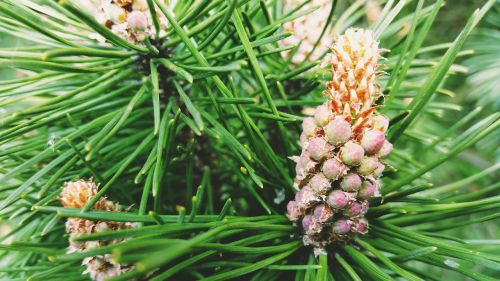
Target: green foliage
[486,60]
[193,131]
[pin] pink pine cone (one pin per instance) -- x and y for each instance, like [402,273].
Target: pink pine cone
[342,147]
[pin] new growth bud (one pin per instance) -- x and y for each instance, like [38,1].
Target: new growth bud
[361,226]
[76,194]
[342,147]
[354,209]
[307,223]
[305,197]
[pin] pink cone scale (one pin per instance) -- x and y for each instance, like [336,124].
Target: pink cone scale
[351,182]
[337,199]
[309,126]
[343,146]
[368,165]
[333,168]
[372,141]
[320,184]
[368,189]
[318,148]
[322,115]
[352,153]
[338,130]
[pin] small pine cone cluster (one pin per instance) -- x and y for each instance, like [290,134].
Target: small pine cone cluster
[129,19]
[342,147]
[75,195]
[306,30]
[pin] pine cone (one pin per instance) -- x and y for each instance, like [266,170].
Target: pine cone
[76,195]
[342,146]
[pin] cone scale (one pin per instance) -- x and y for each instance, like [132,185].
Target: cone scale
[343,146]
